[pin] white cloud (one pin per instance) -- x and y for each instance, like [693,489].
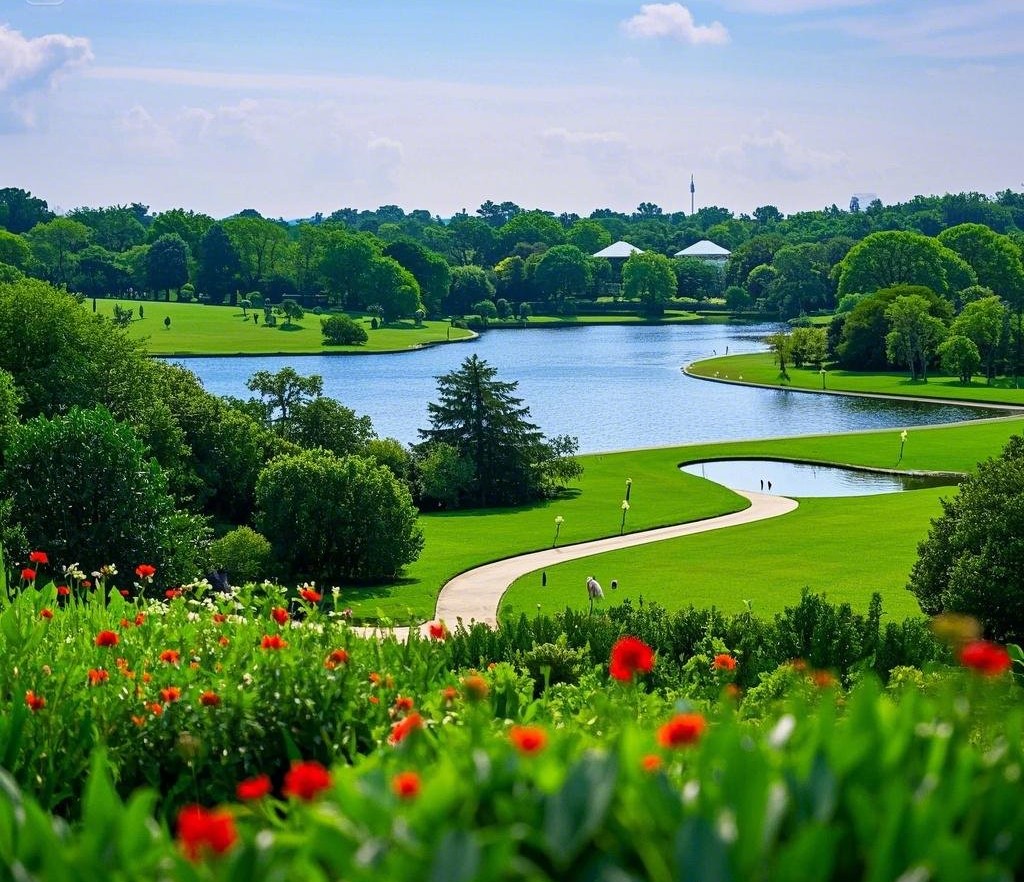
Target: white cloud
[673,20]
[772,155]
[603,148]
[29,66]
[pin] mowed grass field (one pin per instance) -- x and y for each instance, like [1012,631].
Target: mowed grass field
[871,540]
[197,329]
[760,368]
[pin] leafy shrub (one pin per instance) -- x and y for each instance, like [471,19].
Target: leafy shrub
[122,316]
[551,663]
[340,330]
[243,552]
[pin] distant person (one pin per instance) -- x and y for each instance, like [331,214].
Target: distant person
[762,485]
[769,486]
[594,590]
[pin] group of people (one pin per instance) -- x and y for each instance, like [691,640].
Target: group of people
[769,485]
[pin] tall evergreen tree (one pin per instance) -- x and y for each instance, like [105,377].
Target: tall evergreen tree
[218,265]
[480,417]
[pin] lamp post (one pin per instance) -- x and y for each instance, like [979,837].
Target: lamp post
[625,508]
[629,486]
[903,440]
[559,520]
[823,378]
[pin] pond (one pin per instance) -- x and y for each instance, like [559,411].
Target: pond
[615,387]
[808,479]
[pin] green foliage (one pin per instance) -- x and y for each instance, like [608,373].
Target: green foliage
[244,553]
[84,490]
[887,259]
[915,334]
[444,476]
[959,357]
[337,518]
[649,278]
[973,559]
[10,399]
[327,424]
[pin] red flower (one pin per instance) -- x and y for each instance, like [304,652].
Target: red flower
[38,557]
[145,571]
[437,631]
[170,693]
[475,686]
[28,574]
[97,676]
[86,583]
[201,830]
[253,788]
[823,679]
[124,592]
[107,638]
[449,694]
[171,593]
[406,785]
[651,762]
[337,657]
[46,613]
[34,702]
[140,618]
[405,727]
[272,641]
[724,662]
[528,740]
[681,730]
[219,618]
[279,614]
[63,591]
[630,656]
[985,658]
[223,641]
[403,703]
[311,595]
[304,780]
[170,656]
[156,708]
[209,699]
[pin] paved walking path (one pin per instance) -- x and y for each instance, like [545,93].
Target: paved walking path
[474,595]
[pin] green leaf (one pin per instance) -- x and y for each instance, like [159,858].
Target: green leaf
[577,810]
[700,853]
[457,858]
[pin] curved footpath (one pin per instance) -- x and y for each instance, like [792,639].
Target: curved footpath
[474,595]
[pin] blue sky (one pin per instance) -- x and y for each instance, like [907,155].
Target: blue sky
[293,107]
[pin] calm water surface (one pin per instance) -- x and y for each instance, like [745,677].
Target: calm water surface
[804,479]
[614,387]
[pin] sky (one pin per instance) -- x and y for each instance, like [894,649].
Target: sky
[298,106]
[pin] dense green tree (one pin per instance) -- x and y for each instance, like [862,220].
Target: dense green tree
[261,244]
[649,278]
[243,553]
[914,334]
[392,454]
[531,227]
[328,424]
[959,356]
[340,330]
[470,284]
[808,345]
[167,264]
[802,281]
[982,322]
[884,260]
[20,211]
[510,279]
[347,267]
[191,226]
[973,559]
[54,245]
[480,417]
[473,241]
[758,250]
[10,400]
[588,235]
[284,391]
[767,215]
[337,518]
[14,250]
[445,476]
[393,288]
[498,215]
[737,299]
[84,489]
[562,271]
[699,279]
[115,228]
[217,265]
[430,270]
[98,274]
[291,310]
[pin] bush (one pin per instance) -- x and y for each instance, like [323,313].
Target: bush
[340,330]
[973,558]
[84,490]
[244,553]
[337,517]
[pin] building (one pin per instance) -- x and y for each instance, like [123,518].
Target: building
[705,250]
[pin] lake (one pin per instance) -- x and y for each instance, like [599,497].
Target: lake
[615,387]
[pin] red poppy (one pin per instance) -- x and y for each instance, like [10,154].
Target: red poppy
[404,727]
[170,656]
[156,708]
[139,618]
[528,740]
[253,788]
[311,595]
[449,694]
[124,623]
[406,785]
[986,658]
[34,702]
[304,780]
[209,699]
[86,583]
[145,571]
[97,676]
[171,593]
[630,656]
[475,686]
[337,657]
[219,618]
[651,762]
[170,693]
[203,830]
[46,613]
[437,631]
[681,730]
[724,662]
[28,574]
[223,641]
[63,591]
[404,703]
[272,641]
[107,638]
[279,614]
[38,557]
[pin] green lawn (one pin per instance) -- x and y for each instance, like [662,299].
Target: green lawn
[760,368]
[847,548]
[197,329]
[662,495]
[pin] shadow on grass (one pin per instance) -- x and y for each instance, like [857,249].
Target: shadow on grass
[291,327]
[541,504]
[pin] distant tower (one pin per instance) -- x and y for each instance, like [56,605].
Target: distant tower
[692,191]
